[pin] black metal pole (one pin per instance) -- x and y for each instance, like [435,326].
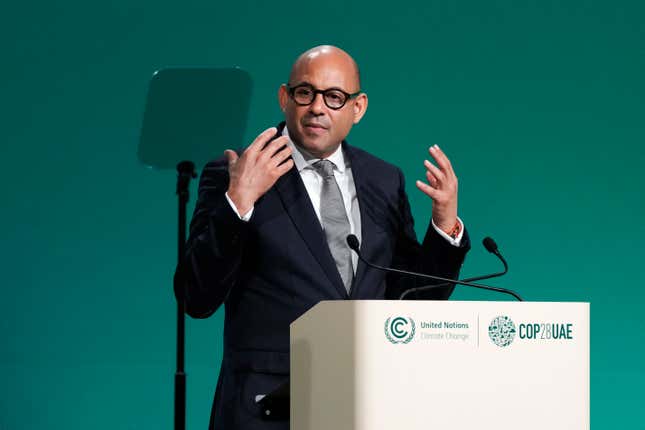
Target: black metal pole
[185,172]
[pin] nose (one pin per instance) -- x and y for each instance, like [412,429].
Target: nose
[318,105]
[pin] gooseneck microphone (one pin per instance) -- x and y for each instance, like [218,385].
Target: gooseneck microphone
[491,247]
[353,243]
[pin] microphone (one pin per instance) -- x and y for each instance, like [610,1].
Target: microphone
[490,245]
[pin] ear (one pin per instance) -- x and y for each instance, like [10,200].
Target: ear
[360,106]
[283,97]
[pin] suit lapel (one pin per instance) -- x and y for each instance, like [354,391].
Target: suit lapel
[298,205]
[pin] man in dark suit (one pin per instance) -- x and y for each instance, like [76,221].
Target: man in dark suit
[267,238]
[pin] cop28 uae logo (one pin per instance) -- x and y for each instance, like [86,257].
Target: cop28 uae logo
[399,329]
[501,331]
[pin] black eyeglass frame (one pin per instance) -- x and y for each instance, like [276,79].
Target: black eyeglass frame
[291,90]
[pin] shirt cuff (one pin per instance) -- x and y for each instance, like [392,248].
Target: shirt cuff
[454,242]
[246,216]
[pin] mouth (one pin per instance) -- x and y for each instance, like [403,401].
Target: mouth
[314,128]
[313,125]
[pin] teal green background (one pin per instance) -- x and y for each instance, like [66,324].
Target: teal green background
[539,104]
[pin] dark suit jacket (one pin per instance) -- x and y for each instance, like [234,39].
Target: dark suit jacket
[271,270]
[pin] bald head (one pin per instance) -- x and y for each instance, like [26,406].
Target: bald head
[327,54]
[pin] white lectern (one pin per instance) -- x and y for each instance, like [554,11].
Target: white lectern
[413,365]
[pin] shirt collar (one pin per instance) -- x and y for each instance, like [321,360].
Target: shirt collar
[304,160]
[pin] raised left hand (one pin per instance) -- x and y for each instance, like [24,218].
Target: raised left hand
[441,188]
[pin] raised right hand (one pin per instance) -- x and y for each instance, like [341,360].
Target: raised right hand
[257,169]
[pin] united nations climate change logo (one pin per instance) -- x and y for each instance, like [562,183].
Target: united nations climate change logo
[399,329]
[501,331]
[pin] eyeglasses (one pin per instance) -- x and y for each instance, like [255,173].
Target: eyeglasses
[305,95]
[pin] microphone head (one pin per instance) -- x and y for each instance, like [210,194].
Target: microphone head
[490,245]
[353,243]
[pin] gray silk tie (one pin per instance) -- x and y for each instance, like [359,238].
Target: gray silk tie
[334,221]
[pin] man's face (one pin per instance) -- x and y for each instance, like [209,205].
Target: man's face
[318,128]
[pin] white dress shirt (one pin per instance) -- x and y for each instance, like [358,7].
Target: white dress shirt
[343,173]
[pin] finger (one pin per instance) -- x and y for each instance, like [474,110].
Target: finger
[281,155]
[284,167]
[231,156]
[441,159]
[427,189]
[262,139]
[432,180]
[438,174]
[273,147]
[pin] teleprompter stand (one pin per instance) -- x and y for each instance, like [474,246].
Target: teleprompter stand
[191,116]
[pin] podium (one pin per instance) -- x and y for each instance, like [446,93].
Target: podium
[412,365]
